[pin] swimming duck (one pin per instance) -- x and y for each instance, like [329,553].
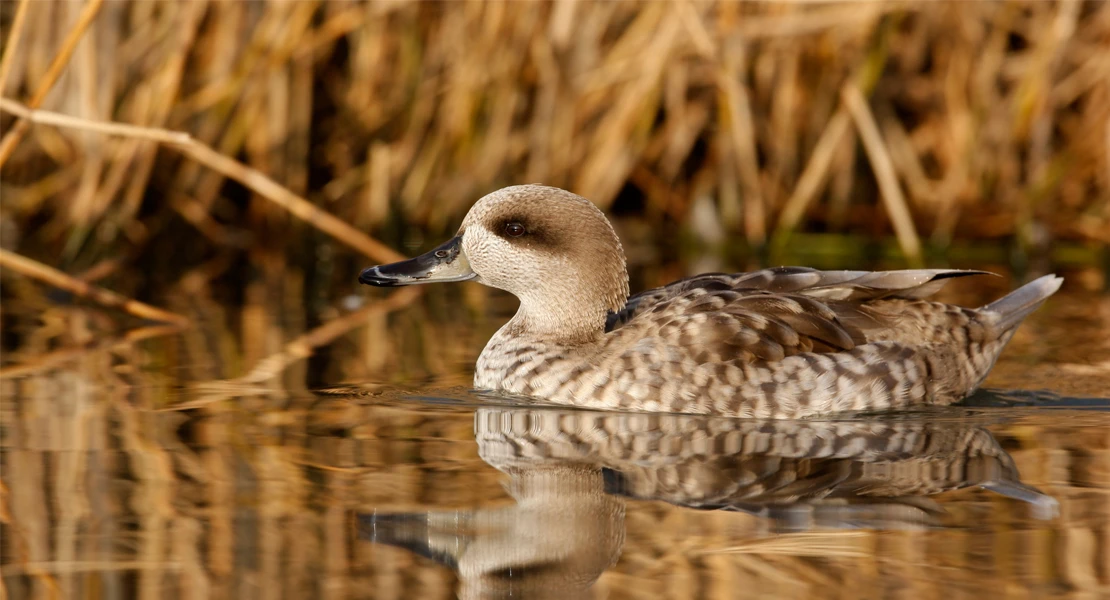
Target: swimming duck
[788,342]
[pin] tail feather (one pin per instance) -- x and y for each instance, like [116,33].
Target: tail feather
[1010,310]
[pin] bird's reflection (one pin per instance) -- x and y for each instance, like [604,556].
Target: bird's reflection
[571,470]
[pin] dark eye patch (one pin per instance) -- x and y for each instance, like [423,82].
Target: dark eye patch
[520,230]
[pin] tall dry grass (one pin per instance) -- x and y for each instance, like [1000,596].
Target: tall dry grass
[928,121]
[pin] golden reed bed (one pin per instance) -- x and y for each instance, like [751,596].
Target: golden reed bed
[931,121]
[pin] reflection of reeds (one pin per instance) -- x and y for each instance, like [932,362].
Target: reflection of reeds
[102,496]
[975,120]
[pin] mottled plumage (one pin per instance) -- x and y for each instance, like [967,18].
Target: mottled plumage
[779,343]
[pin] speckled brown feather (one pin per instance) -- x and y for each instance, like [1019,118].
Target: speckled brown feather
[778,343]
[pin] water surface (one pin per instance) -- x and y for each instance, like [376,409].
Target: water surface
[255,455]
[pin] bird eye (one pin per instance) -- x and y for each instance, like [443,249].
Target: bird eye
[514,229]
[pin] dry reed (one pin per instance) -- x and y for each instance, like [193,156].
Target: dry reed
[37,270]
[57,66]
[976,122]
[249,177]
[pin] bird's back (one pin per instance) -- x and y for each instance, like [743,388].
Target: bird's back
[784,343]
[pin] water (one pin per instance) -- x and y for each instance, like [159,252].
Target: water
[221,462]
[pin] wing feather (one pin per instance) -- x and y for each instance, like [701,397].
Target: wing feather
[768,314]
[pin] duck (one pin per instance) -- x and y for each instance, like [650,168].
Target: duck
[776,343]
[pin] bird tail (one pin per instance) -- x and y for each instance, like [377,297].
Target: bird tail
[1009,311]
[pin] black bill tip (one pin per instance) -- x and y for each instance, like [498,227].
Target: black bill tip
[374,276]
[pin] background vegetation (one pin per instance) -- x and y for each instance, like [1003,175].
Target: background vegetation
[730,121]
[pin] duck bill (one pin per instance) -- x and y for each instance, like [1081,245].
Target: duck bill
[446,262]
